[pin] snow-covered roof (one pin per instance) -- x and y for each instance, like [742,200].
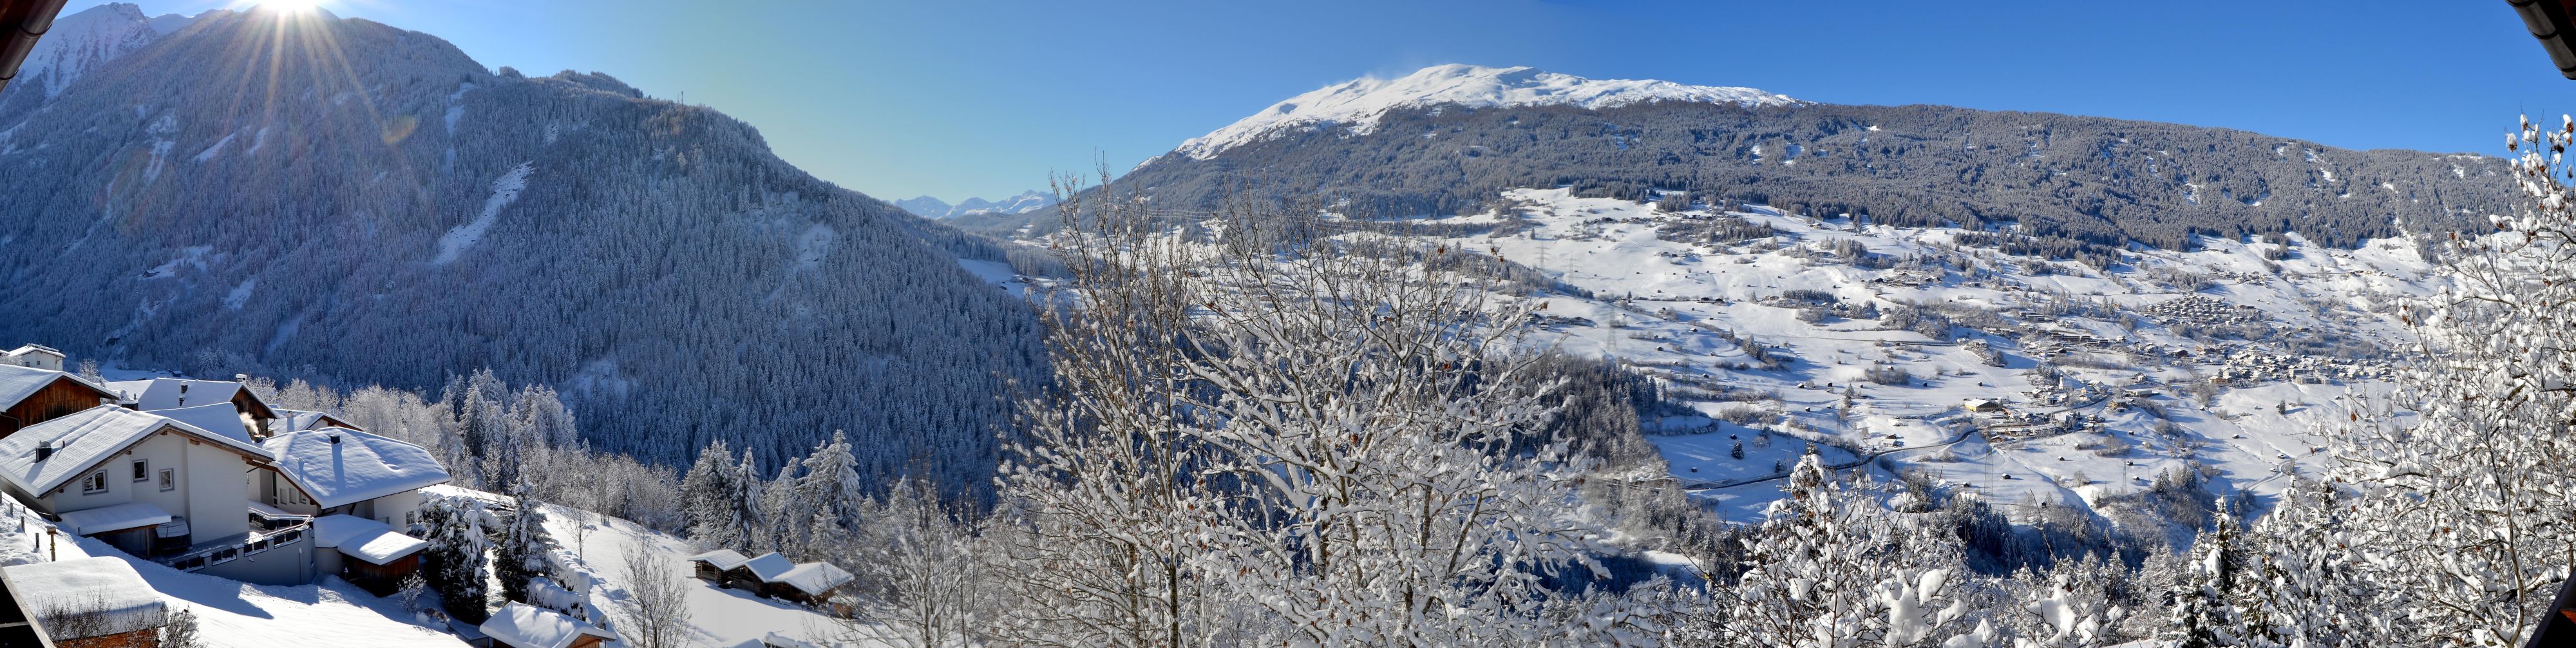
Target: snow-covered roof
[83,439]
[769,566]
[722,559]
[358,468]
[524,626]
[169,393]
[775,640]
[295,420]
[17,383]
[218,417]
[84,584]
[111,518]
[364,539]
[25,349]
[814,578]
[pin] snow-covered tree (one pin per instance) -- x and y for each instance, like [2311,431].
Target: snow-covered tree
[522,551]
[455,561]
[713,494]
[830,494]
[2459,515]
[1831,567]
[1295,442]
[2204,609]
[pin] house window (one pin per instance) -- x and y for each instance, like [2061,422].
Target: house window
[169,479]
[95,483]
[292,495]
[142,469]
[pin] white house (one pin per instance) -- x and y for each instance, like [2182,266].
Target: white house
[155,487]
[335,471]
[32,355]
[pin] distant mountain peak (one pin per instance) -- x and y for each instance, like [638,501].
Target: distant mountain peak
[934,208]
[1360,102]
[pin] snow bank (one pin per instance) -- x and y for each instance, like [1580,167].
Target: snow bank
[1360,103]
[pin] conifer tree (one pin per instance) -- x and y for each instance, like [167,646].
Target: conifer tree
[713,493]
[522,551]
[454,564]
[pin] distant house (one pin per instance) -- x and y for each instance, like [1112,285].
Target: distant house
[145,483]
[106,604]
[772,575]
[30,395]
[813,584]
[1983,406]
[35,356]
[334,471]
[519,625]
[711,566]
[174,393]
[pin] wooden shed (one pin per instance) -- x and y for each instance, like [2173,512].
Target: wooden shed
[29,396]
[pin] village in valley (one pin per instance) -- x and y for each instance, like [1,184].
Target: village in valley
[131,504]
[2024,381]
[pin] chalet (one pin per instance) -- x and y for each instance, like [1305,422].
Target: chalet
[365,552]
[764,569]
[30,395]
[35,356]
[145,483]
[173,393]
[120,609]
[814,584]
[772,575]
[711,566]
[335,471]
[519,625]
[1983,406]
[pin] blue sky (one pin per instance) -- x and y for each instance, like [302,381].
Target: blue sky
[970,97]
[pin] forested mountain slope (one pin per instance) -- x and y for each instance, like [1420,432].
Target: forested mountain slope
[301,195]
[2080,180]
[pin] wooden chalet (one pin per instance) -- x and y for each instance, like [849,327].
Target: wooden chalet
[711,566]
[29,396]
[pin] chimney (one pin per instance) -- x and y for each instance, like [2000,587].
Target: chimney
[241,377]
[335,438]
[44,450]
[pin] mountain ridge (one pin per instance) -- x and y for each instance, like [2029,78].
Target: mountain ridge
[378,222]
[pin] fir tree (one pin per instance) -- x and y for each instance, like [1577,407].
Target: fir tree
[714,495]
[522,552]
[454,562]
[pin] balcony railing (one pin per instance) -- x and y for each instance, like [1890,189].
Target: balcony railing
[250,545]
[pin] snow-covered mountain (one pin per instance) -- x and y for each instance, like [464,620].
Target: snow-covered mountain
[925,206]
[392,211]
[1359,103]
[930,207]
[81,41]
